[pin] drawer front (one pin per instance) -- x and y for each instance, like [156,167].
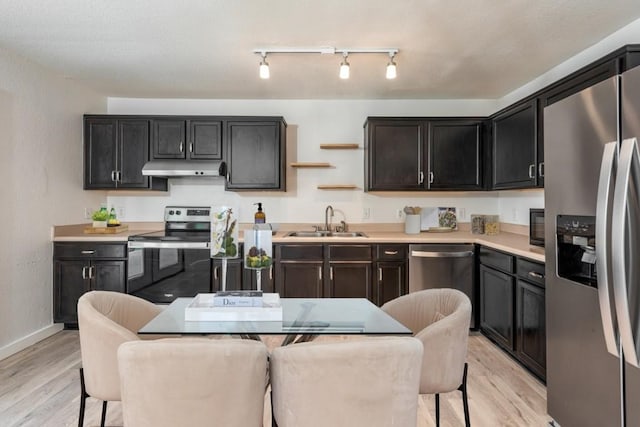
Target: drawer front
[496,259]
[350,252]
[300,253]
[391,252]
[89,250]
[530,271]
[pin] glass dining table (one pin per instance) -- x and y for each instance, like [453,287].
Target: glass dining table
[303,319]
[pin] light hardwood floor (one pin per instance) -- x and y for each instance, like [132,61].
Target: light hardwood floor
[40,387]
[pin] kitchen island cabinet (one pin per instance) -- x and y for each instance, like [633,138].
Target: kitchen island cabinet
[81,267]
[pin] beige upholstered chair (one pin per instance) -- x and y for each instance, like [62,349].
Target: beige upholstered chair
[193,382]
[370,382]
[439,318]
[106,320]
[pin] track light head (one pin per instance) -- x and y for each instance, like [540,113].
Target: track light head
[391,68]
[264,67]
[344,67]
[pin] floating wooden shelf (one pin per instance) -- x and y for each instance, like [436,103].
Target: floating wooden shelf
[339,146]
[337,187]
[309,165]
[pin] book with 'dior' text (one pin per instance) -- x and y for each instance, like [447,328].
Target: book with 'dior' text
[203,308]
[238,299]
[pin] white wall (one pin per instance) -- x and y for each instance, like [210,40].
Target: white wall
[41,176]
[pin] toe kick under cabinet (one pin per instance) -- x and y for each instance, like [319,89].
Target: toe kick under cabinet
[79,267]
[512,306]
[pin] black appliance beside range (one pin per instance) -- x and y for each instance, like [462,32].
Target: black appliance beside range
[176,262]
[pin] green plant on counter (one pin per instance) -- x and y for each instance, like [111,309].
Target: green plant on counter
[101,215]
[230,248]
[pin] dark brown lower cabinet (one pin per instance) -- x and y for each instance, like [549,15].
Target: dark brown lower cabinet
[390,272]
[350,280]
[81,267]
[300,280]
[234,278]
[530,326]
[496,306]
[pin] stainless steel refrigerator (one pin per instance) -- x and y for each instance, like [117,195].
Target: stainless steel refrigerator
[592,234]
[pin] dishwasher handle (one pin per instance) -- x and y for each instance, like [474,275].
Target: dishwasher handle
[441,254]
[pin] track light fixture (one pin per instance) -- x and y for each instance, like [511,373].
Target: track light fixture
[391,67]
[264,67]
[344,65]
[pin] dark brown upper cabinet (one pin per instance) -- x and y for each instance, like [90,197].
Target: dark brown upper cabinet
[115,149]
[514,148]
[423,154]
[255,154]
[455,155]
[179,138]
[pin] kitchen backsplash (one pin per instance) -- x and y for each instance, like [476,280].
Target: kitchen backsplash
[302,207]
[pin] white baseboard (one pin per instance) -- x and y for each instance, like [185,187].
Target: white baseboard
[29,340]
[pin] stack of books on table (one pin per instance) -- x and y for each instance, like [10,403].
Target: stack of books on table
[235,306]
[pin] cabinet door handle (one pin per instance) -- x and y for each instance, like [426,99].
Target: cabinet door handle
[92,271]
[380,274]
[113,176]
[191,147]
[88,252]
[215,272]
[420,177]
[536,275]
[541,169]
[319,273]
[331,273]
[430,177]
[84,272]
[271,273]
[532,171]
[391,252]
[181,147]
[118,176]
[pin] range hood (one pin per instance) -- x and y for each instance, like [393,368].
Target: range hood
[179,168]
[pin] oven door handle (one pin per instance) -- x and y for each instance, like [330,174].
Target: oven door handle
[168,245]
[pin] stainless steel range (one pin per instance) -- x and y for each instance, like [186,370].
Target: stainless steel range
[175,262]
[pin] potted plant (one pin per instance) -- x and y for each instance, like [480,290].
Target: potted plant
[100,218]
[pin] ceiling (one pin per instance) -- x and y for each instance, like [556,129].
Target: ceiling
[449,49]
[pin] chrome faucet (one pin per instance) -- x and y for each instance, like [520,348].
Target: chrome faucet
[327,220]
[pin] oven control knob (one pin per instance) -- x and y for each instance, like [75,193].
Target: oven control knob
[178,212]
[170,212]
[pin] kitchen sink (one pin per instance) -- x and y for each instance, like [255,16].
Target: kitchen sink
[325,234]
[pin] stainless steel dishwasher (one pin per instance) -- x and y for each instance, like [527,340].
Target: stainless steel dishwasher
[443,266]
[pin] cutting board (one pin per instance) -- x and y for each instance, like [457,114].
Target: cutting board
[106,230]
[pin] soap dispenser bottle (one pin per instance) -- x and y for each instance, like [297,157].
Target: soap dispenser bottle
[259,217]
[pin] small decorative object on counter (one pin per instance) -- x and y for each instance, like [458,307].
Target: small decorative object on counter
[258,247]
[447,218]
[224,233]
[491,224]
[260,217]
[412,224]
[477,224]
[112,221]
[100,217]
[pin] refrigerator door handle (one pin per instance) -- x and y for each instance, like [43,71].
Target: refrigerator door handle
[626,213]
[603,247]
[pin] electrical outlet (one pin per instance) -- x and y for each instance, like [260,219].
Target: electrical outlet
[87,213]
[399,213]
[463,213]
[120,212]
[366,213]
